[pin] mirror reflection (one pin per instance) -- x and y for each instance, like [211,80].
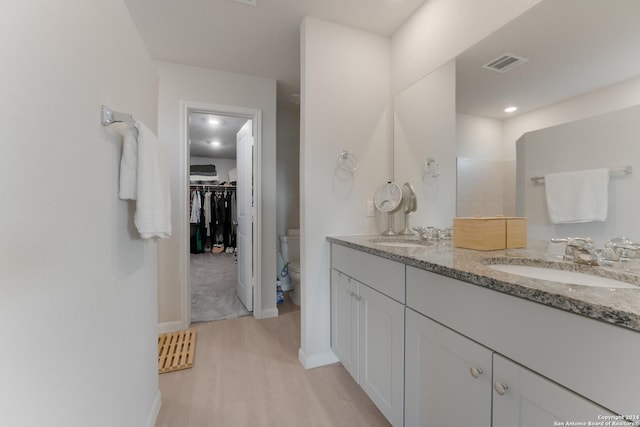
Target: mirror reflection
[560,62]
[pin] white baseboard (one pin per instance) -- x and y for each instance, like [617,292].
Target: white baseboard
[322,359]
[155,410]
[163,328]
[271,312]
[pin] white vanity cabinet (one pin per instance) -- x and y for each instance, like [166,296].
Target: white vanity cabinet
[431,350]
[523,398]
[367,326]
[447,376]
[449,380]
[548,365]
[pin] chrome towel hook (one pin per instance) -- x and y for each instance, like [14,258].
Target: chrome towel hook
[431,167]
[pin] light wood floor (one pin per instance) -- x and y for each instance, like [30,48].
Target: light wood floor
[246,373]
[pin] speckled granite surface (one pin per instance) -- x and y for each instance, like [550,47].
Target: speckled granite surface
[618,306]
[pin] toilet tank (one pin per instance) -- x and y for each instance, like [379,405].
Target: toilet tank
[293,240]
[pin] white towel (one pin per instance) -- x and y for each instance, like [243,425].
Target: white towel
[153,206]
[129,164]
[578,196]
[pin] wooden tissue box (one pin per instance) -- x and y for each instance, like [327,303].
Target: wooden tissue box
[489,233]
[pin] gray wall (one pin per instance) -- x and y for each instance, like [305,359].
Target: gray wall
[288,170]
[605,141]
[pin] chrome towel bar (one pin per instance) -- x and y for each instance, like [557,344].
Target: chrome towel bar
[109,116]
[627,170]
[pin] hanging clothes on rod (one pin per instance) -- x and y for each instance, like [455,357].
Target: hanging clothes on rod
[207,212]
[195,240]
[213,217]
[221,217]
[227,225]
[196,206]
[212,187]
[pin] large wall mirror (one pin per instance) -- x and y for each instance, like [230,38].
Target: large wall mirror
[556,52]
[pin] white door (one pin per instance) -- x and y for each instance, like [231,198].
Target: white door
[244,194]
[381,352]
[344,321]
[447,377]
[524,399]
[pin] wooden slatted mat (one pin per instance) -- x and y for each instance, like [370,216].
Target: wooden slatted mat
[176,350]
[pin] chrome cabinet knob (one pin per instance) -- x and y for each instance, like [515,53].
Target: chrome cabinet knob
[500,388]
[475,372]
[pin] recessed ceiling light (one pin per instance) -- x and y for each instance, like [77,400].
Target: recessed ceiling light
[214,122]
[215,143]
[510,109]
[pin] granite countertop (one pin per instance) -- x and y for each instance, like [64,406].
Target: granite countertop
[617,306]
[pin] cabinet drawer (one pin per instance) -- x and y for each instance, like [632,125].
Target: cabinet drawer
[381,274]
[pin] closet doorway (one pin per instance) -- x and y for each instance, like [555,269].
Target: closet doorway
[221,214]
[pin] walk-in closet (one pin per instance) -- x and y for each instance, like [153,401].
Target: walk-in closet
[213,217]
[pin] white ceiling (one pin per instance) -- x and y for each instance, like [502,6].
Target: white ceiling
[261,40]
[574,47]
[203,133]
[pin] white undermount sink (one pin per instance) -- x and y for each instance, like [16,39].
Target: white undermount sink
[400,244]
[562,276]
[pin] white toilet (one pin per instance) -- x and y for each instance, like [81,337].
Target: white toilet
[290,245]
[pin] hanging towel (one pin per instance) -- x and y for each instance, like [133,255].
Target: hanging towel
[153,206]
[578,196]
[129,164]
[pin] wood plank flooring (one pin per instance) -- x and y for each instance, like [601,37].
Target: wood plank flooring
[246,373]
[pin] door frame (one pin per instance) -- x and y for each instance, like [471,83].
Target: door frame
[256,116]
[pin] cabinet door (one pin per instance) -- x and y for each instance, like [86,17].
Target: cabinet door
[381,359]
[344,321]
[447,377]
[525,399]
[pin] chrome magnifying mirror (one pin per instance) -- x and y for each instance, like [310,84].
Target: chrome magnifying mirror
[387,199]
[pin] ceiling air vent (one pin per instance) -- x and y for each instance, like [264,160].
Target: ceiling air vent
[505,62]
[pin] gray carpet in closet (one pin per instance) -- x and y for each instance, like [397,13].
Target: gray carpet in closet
[213,288]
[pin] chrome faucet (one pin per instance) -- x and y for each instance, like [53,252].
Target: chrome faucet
[580,250]
[433,233]
[426,233]
[621,248]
